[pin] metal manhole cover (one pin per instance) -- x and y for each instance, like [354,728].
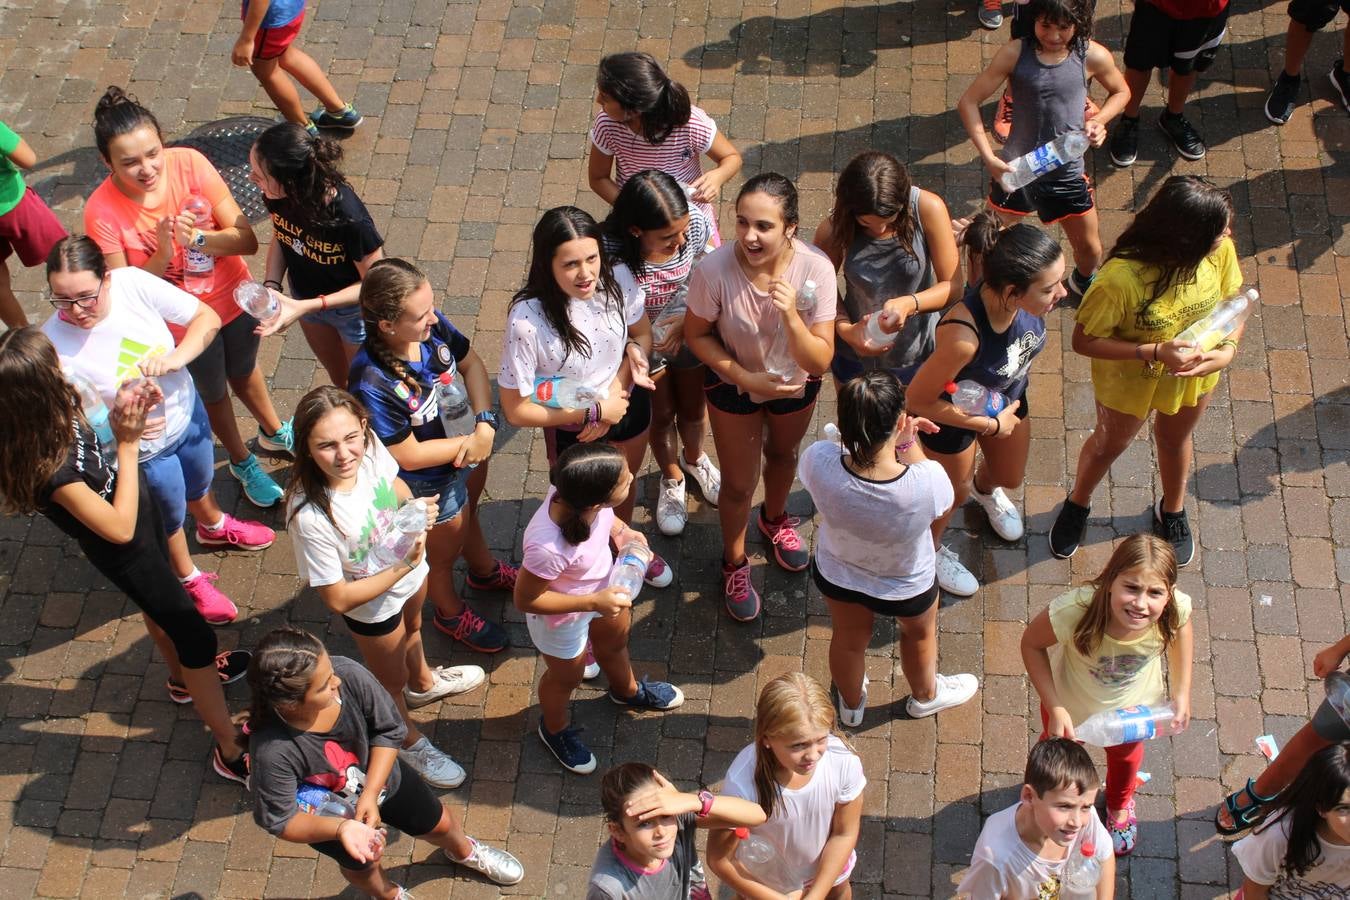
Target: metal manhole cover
[226,144]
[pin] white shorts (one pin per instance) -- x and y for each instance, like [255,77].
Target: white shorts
[561,640]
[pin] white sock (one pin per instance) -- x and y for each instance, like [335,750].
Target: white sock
[193,574]
[216,527]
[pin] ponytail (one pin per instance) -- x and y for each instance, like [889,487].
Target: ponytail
[637,83]
[117,113]
[384,290]
[583,478]
[306,167]
[1019,256]
[869,407]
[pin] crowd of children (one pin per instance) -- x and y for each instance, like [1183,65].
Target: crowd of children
[649,329]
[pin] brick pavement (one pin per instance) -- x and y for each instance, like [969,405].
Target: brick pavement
[476,121]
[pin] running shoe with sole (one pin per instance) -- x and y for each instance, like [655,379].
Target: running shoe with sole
[568,748]
[1003,118]
[231,665]
[991,14]
[952,690]
[952,576]
[281,442]
[851,717]
[435,766]
[240,534]
[497,865]
[503,578]
[347,117]
[1067,532]
[671,514]
[1125,141]
[1001,512]
[1185,139]
[706,475]
[447,680]
[211,602]
[259,487]
[658,574]
[235,770]
[654,695]
[473,631]
[788,549]
[740,596]
[1175,528]
[1283,98]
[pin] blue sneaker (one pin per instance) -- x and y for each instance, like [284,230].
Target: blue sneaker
[281,442]
[657,695]
[347,118]
[259,487]
[566,745]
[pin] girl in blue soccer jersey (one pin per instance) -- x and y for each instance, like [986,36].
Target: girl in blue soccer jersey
[408,345]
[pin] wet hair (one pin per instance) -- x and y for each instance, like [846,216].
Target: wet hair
[280,671]
[306,167]
[779,187]
[584,477]
[555,228]
[637,83]
[1056,763]
[117,113]
[1018,257]
[978,239]
[648,201]
[869,407]
[620,783]
[77,253]
[872,184]
[1150,555]
[1077,13]
[1318,788]
[388,284]
[1175,231]
[38,413]
[791,702]
[308,483]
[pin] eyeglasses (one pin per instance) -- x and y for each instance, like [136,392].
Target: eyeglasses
[84,301]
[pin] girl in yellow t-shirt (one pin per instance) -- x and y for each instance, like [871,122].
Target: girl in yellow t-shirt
[1171,266]
[1110,638]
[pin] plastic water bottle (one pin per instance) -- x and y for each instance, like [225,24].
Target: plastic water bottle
[975,399]
[1082,869]
[561,392]
[452,403]
[257,301]
[832,432]
[320,801]
[1046,158]
[761,861]
[1221,321]
[96,413]
[669,317]
[875,336]
[1124,726]
[199,267]
[397,540]
[779,362]
[630,568]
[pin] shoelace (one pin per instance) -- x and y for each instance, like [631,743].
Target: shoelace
[1177,530]
[570,738]
[993,5]
[785,532]
[469,622]
[209,578]
[1005,110]
[705,468]
[738,583]
[223,660]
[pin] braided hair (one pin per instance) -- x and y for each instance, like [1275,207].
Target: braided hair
[280,671]
[384,290]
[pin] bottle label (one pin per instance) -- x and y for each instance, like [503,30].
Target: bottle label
[543,391]
[195,262]
[1044,159]
[1136,724]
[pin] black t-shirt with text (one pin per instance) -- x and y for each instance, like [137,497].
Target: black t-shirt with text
[321,258]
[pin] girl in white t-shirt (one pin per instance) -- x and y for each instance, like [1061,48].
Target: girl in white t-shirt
[563,589]
[343,495]
[809,783]
[1303,847]
[580,317]
[876,499]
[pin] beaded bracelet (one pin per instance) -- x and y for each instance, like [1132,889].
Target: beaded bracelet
[901,448]
[272,283]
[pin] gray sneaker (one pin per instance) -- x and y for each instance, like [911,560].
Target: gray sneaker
[434,765]
[497,865]
[991,14]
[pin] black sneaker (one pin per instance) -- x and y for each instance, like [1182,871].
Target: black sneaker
[1182,134]
[1067,532]
[1283,98]
[1174,528]
[234,770]
[1340,80]
[1125,142]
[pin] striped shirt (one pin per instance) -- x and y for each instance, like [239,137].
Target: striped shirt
[664,281]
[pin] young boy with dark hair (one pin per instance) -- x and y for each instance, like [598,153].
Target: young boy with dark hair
[1306,18]
[27,226]
[1021,851]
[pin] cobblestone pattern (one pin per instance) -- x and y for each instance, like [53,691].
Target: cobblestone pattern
[476,120]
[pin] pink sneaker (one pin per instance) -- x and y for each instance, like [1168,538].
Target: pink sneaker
[236,533]
[215,607]
[741,598]
[658,573]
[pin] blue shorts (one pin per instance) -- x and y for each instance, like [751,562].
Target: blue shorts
[346,319]
[182,471]
[454,492]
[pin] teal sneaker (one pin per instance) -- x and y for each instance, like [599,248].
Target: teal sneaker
[259,487]
[281,442]
[348,117]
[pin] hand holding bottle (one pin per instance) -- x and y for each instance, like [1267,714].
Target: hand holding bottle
[127,417]
[614,408]
[1059,723]
[611,601]
[784,296]
[1177,355]
[763,383]
[363,843]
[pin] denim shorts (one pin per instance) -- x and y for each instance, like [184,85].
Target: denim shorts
[346,319]
[454,492]
[182,471]
[232,355]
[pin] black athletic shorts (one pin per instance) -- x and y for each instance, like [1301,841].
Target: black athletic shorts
[1157,41]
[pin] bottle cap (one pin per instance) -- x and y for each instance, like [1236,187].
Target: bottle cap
[950,387]
[742,832]
[1087,848]
[445,378]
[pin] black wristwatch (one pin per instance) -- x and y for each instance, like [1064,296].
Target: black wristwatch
[489,417]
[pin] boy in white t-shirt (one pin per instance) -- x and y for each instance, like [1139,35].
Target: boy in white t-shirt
[1022,850]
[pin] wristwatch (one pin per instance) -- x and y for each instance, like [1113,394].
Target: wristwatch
[199,238]
[705,800]
[490,418]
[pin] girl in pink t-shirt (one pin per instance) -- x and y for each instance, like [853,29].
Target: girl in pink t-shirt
[766,347]
[646,121]
[563,589]
[136,216]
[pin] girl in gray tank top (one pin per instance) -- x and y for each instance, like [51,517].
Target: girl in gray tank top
[895,247]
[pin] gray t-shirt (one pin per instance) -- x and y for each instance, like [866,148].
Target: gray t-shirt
[615,877]
[283,757]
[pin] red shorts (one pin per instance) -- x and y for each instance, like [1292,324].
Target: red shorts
[269,43]
[29,229]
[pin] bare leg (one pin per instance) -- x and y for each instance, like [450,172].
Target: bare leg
[635,451]
[10,310]
[958,467]
[449,835]
[226,429]
[180,560]
[662,431]
[332,352]
[373,882]
[1173,437]
[850,633]
[780,458]
[420,677]
[1003,461]
[918,654]
[1137,81]
[1085,239]
[691,414]
[1179,87]
[444,542]
[253,392]
[1113,434]
[208,697]
[1297,40]
[561,677]
[477,555]
[279,88]
[305,70]
[609,642]
[738,440]
[386,659]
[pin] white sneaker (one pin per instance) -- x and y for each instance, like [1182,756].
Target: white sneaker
[1003,515]
[497,865]
[403,893]
[953,577]
[449,680]
[435,767]
[592,670]
[952,690]
[706,476]
[852,718]
[670,507]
